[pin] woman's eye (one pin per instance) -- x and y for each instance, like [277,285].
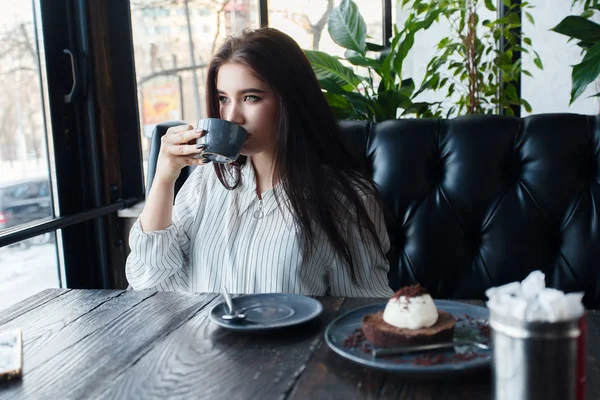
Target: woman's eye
[223,99]
[251,99]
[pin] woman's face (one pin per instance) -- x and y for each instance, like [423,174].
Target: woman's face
[249,102]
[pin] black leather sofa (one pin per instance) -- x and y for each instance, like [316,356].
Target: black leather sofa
[480,201]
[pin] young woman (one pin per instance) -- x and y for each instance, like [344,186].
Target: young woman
[294,213]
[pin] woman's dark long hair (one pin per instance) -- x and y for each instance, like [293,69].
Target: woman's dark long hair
[321,178]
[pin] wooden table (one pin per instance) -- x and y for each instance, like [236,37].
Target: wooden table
[137,344]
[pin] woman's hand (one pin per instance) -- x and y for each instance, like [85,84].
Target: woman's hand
[177,150]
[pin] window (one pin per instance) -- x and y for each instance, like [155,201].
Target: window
[25,156]
[60,143]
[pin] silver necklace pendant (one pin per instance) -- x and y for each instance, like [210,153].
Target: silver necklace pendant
[258,214]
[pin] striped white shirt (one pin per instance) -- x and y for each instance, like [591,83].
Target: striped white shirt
[215,239]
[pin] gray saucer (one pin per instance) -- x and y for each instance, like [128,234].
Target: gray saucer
[267,311]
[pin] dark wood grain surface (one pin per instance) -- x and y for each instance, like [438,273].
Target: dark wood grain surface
[83,344]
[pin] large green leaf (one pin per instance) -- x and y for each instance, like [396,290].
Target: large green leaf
[530,18]
[331,86]
[586,71]
[341,107]
[587,14]
[403,50]
[347,27]
[538,60]
[387,63]
[418,108]
[361,104]
[358,59]
[585,45]
[389,102]
[431,82]
[579,28]
[337,100]
[329,67]
[407,87]
[375,47]
[489,5]
[511,91]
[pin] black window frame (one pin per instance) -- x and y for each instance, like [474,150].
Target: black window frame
[89,190]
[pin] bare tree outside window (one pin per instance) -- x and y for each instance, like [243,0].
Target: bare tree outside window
[21,135]
[164,25]
[312,27]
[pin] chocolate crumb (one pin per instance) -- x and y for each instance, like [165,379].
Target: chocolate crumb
[429,359]
[484,330]
[410,291]
[464,356]
[355,339]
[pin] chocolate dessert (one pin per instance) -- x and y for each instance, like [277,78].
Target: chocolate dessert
[382,334]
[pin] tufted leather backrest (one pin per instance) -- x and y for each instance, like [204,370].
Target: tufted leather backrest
[480,201]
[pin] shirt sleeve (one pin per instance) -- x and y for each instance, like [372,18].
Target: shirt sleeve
[160,259]
[371,265]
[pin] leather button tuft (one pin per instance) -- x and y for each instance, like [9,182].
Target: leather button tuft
[435,170]
[512,169]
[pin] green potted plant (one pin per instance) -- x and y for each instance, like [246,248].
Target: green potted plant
[477,76]
[587,32]
[475,73]
[367,83]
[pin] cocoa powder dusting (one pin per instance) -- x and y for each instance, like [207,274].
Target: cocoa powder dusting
[410,291]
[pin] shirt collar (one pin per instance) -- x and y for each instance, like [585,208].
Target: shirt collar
[248,194]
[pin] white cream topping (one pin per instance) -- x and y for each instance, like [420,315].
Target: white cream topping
[414,313]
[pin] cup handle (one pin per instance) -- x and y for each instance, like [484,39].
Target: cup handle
[201,141]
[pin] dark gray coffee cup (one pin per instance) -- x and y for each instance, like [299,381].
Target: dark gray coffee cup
[223,140]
